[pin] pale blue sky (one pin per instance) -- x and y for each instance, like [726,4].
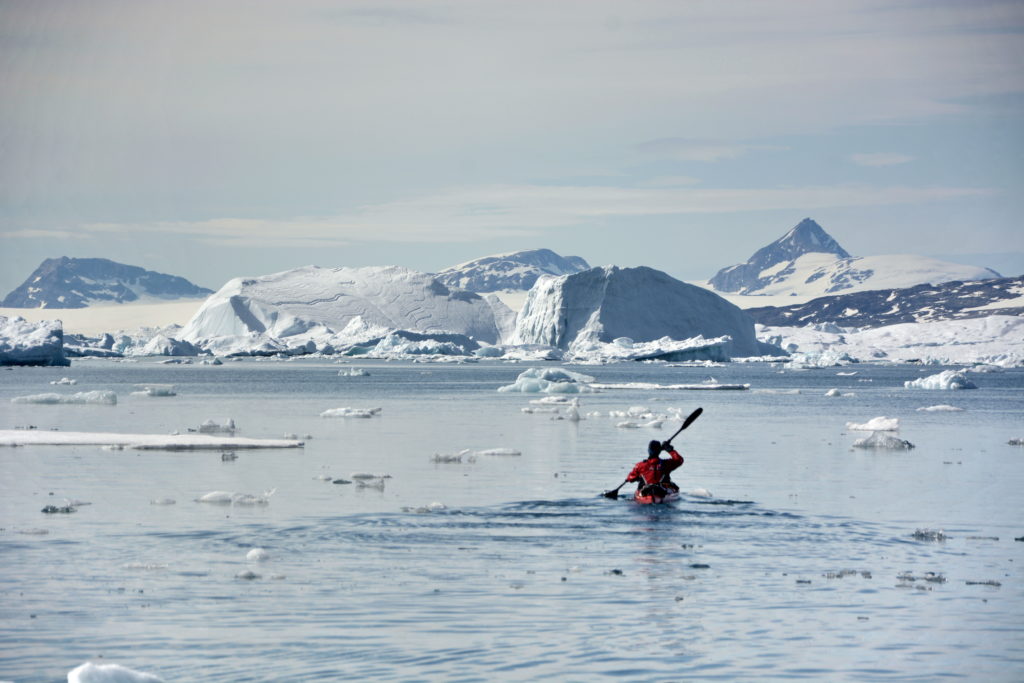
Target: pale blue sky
[218,139]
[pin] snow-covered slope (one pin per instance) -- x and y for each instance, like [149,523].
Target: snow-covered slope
[327,300]
[78,282]
[515,271]
[947,301]
[643,304]
[807,262]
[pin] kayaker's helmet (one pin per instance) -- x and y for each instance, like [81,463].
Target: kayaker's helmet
[654,449]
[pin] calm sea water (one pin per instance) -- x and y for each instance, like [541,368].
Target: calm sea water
[791,570]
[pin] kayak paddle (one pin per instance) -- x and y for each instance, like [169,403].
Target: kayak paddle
[614,493]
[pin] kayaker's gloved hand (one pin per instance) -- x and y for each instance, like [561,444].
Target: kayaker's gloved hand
[666,445]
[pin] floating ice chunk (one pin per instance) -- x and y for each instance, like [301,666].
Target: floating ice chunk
[541,410]
[231,498]
[155,390]
[353,372]
[366,476]
[108,398]
[211,426]
[653,424]
[351,412]
[109,673]
[149,566]
[672,387]
[941,408]
[1016,442]
[550,381]
[700,493]
[880,440]
[929,535]
[173,442]
[500,452]
[832,393]
[247,575]
[26,343]
[65,381]
[557,399]
[257,555]
[431,507]
[448,459]
[876,424]
[573,413]
[947,379]
[846,374]
[162,501]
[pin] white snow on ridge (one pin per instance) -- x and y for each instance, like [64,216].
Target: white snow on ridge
[996,340]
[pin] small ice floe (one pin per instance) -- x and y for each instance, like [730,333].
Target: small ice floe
[846,374]
[930,577]
[542,410]
[211,426]
[228,456]
[257,555]
[1016,442]
[163,501]
[67,381]
[449,458]
[832,393]
[550,381]
[883,441]
[425,509]
[876,424]
[155,390]
[652,424]
[353,372]
[176,361]
[843,573]
[247,575]
[147,566]
[699,493]
[940,408]
[109,673]
[929,535]
[211,361]
[232,498]
[59,509]
[33,532]
[945,380]
[506,452]
[366,476]
[351,412]
[106,398]
[573,413]
[557,399]
[994,584]
[781,392]
[113,447]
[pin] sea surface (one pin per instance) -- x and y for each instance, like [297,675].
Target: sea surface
[793,556]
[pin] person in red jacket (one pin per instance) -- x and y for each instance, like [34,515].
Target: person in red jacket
[654,470]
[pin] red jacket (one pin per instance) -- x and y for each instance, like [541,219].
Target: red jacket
[655,470]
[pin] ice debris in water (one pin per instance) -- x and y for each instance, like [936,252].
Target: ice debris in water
[448,459]
[109,673]
[65,381]
[699,493]
[351,412]
[652,424]
[211,426]
[148,566]
[931,577]
[353,372]
[550,381]
[876,424]
[83,397]
[945,380]
[880,440]
[228,456]
[155,390]
[231,498]
[257,555]
[940,408]
[929,535]
[431,507]
[540,410]
[366,476]
[247,575]
[163,501]
[499,452]
[1016,442]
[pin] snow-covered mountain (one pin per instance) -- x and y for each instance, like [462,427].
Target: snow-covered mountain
[642,304]
[326,301]
[808,262]
[515,271]
[923,303]
[78,282]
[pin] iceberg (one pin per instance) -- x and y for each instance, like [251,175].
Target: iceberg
[587,349]
[945,380]
[881,441]
[155,390]
[313,303]
[211,426]
[940,408]
[108,398]
[550,381]
[641,304]
[876,424]
[26,343]
[161,345]
[353,372]
[351,412]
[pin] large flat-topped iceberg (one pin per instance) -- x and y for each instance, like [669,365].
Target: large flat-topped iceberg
[640,304]
[31,343]
[325,300]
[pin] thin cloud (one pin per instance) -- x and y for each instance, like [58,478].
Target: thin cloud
[472,214]
[682,149]
[880,159]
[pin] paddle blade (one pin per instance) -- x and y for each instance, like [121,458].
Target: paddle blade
[613,494]
[693,416]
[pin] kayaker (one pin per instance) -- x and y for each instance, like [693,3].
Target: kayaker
[654,470]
